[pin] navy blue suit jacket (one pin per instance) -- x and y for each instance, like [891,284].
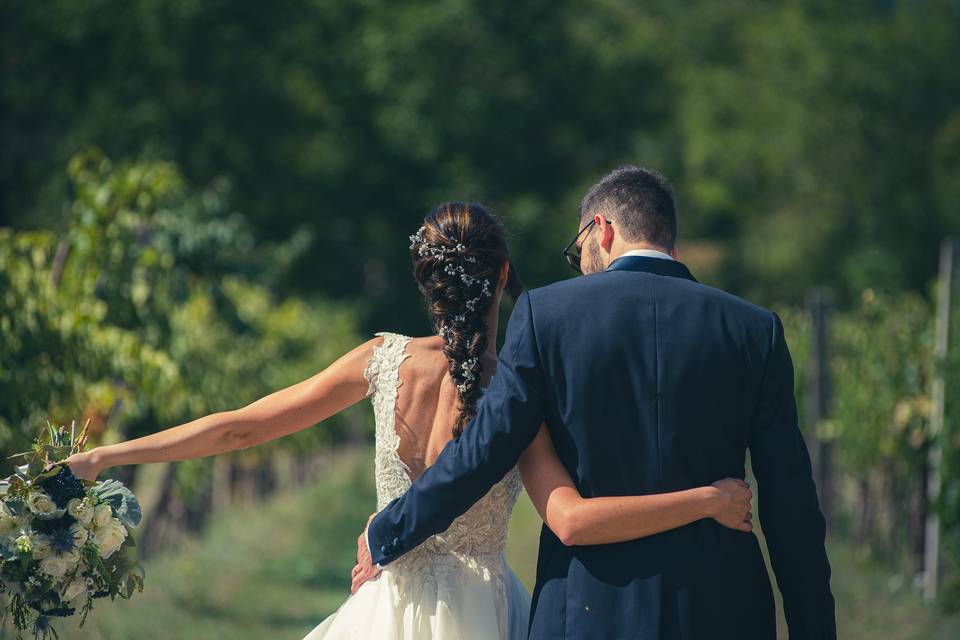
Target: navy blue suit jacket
[649,382]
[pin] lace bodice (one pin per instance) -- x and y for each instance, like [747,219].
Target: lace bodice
[476,535]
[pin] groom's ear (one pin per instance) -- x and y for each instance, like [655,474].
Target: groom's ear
[606,233]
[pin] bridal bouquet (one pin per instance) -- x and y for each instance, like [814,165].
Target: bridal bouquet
[63,541]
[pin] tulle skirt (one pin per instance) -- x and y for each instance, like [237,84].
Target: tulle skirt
[445,598]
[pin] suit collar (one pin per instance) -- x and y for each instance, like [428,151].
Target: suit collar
[659,266]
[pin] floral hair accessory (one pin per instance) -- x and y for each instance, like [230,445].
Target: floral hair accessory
[468,375]
[454,267]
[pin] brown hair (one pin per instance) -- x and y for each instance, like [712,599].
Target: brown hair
[457,255]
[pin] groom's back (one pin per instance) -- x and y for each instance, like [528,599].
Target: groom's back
[658,372]
[653,381]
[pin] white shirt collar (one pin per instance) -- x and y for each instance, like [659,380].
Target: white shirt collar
[649,253]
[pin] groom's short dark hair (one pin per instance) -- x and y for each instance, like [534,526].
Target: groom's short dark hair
[639,201]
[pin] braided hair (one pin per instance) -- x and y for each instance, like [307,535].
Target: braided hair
[457,256]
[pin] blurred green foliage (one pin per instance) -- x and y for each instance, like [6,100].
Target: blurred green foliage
[810,142]
[151,308]
[882,367]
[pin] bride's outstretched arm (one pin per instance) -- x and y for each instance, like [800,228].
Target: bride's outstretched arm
[273,416]
[580,521]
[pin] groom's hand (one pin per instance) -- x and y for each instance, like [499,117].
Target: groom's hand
[365,569]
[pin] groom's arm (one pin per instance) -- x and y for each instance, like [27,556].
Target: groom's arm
[508,416]
[790,515]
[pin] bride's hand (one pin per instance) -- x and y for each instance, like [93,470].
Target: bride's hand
[731,504]
[84,465]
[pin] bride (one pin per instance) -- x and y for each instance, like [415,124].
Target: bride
[424,391]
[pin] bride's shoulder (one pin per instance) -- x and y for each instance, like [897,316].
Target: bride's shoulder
[416,342]
[423,357]
[426,350]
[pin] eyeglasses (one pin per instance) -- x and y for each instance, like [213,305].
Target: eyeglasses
[573,259]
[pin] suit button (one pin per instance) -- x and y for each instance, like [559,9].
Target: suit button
[396,541]
[383,549]
[587,609]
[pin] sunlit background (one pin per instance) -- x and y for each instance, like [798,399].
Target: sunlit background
[204,201]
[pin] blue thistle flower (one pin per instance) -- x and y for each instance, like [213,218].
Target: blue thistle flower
[62,540]
[41,625]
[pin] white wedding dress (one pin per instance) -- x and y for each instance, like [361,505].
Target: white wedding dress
[456,585]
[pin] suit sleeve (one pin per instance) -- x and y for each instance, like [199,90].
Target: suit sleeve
[508,416]
[790,515]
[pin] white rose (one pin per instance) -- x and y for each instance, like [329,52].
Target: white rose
[41,504]
[74,589]
[71,557]
[80,534]
[41,545]
[7,520]
[82,510]
[102,514]
[109,537]
[54,566]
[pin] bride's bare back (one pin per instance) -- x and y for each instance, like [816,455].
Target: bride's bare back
[427,403]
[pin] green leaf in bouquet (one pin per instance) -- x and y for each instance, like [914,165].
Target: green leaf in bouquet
[49,473]
[17,507]
[122,500]
[133,581]
[129,541]
[35,467]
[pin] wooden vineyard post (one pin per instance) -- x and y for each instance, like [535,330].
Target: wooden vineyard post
[949,255]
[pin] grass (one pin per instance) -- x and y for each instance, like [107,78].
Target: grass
[873,602]
[277,569]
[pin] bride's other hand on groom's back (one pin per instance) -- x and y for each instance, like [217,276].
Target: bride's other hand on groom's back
[732,506]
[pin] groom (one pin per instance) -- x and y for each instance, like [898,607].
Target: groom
[648,382]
